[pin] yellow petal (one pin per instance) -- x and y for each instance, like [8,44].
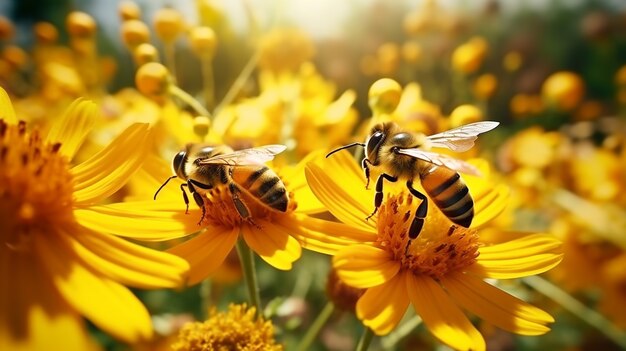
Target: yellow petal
[364,266]
[346,202]
[33,314]
[126,262]
[489,204]
[496,306]
[529,255]
[324,236]
[72,129]
[294,179]
[528,245]
[6,110]
[107,171]
[109,305]
[273,244]
[441,315]
[206,252]
[382,307]
[152,174]
[147,220]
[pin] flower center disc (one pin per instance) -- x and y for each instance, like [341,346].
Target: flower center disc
[221,210]
[440,247]
[35,185]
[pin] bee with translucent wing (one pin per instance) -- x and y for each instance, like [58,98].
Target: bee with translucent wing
[206,166]
[404,155]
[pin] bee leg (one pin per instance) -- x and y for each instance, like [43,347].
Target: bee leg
[378,199]
[197,198]
[366,169]
[185,197]
[240,206]
[420,213]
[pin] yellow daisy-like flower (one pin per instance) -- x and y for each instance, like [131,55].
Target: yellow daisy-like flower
[54,269]
[441,272]
[238,329]
[277,237]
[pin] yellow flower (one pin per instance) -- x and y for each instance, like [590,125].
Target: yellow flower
[285,49]
[441,272]
[237,329]
[468,57]
[277,237]
[54,268]
[563,90]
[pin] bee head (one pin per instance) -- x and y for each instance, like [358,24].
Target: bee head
[372,147]
[179,164]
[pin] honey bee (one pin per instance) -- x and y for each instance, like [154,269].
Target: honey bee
[402,155]
[204,166]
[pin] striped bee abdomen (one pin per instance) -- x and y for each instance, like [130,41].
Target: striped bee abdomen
[448,191]
[263,184]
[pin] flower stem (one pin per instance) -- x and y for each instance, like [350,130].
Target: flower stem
[316,327]
[366,339]
[189,100]
[577,308]
[208,82]
[390,341]
[246,256]
[239,82]
[170,58]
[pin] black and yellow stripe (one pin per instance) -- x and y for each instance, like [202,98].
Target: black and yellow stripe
[263,184]
[448,191]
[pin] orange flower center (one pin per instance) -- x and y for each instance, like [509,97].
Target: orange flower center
[441,246]
[35,185]
[220,208]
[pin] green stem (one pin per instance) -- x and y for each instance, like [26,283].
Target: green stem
[208,82]
[205,296]
[390,341]
[239,82]
[316,327]
[246,256]
[189,100]
[577,308]
[366,339]
[170,57]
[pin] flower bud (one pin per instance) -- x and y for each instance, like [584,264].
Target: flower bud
[145,53]
[46,33]
[134,32]
[80,25]
[384,96]
[152,79]
[203,41]
[168,24]
[129,10]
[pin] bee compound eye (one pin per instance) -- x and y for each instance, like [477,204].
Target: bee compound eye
[178,162]
[373,143]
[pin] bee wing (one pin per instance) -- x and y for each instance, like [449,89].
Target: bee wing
[252,156]
[442,160]
[462,138]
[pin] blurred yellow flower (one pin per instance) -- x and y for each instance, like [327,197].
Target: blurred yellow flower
[54,267]
[277,237]
[563,90]
[297,109]
[442,270]
[485,86]
[238,329]
[284,50]
[469,56]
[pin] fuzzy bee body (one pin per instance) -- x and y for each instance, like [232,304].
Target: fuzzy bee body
[402,155]
[205,167]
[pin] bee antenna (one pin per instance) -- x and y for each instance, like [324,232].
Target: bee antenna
[345,147]
[164,184]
